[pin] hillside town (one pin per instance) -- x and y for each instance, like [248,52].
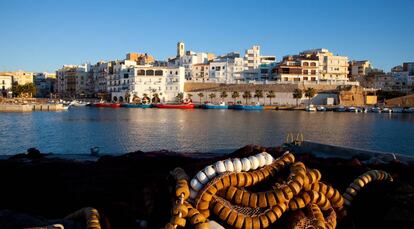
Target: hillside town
[191,74]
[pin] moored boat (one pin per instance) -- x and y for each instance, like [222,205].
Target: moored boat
[140,105]
[310,108]
[246,107]
[376,110]
[176,106]
[340,109]
[110,105]
[222,105]
[397,110]
[321,108]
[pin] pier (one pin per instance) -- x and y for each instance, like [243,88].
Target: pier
[30,107]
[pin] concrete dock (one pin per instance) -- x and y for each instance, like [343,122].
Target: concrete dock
[30,107]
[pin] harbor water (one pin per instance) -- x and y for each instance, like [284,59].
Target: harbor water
[124,130]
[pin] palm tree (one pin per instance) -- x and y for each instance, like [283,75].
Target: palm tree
[200,95]
[310,93]
[179,97]
[235,95]
[258,94]
[189,96]
[270,94]
[212,96]
[297,94]
[223,95]
[247,95]
[155,98]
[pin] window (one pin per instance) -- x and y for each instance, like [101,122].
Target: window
[126,76]
[313,64]
[170,72]
[305,72]
[212,68]
[305,78]
[313,72]
[141,72]
[224,67]
[305,64]
[158,72]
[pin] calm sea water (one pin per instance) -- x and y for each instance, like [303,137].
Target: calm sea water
[125,130]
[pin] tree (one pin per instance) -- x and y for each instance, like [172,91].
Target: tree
[200,95]
[155,98]
[297,94]
[223,95]
[179,97]
[212,96]
[310,93]
[247,95]
[270,94]
[235,95]
[26,90]
[258,94]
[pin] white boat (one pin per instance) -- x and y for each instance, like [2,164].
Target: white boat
[76,103]
[310,108]
[397,110]
[352,109]
[321,108]
[386,110]
[376,110]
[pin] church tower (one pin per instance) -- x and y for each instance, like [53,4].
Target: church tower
[180,49]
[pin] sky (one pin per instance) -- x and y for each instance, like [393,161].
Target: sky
[43,35]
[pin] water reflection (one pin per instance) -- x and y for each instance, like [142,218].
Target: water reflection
[125,130]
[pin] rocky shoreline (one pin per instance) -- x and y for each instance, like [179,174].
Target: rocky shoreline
[134,190]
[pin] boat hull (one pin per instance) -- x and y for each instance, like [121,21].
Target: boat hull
[246,107]
[108,105]
[213,106]
[137,105]
[175,106]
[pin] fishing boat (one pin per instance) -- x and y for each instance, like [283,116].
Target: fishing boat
[386,110]
[221,105]
[321,108]
[176,106]
[397,110]
[408,110]
[137,105]
[256,106]
[376,110]
[76,103]
[110,105]
[310,108]
[340,109]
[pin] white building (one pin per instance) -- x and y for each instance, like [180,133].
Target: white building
[166,82]
[252,58]
[6,82]
[187,59]
[118,83]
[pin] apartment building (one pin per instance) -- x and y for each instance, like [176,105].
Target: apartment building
[359,69]
[297,68]
[332,68]
[72,80]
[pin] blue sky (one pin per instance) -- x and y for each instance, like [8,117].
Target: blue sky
[45,34]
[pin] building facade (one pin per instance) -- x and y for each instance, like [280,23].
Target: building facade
[332,69]
[297,68]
